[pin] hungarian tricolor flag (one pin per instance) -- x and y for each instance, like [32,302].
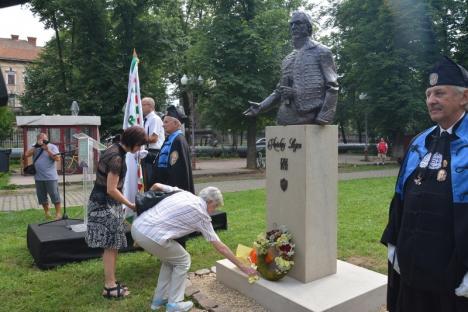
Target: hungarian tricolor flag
[133,109]
[133,117]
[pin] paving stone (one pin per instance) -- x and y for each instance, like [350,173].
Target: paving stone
[207,303]
[190,291]
[220,308]
[191,275]
[188,283]
[213,269]
[202,272]
[199,296]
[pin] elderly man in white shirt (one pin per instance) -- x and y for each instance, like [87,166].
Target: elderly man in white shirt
[175,216]
[154,129]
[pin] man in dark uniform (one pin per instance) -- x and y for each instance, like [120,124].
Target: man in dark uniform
[427,232]
[174,163]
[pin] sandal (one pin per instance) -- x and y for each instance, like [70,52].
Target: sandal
[115,292]
[122,285]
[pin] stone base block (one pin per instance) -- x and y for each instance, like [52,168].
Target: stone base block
[351,289]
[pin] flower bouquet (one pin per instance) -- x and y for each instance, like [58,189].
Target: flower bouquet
[273,254]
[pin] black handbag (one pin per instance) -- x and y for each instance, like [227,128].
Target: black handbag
[151,157]
[30,169]
[149,199]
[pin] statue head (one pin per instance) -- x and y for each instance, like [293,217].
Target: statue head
[300,24]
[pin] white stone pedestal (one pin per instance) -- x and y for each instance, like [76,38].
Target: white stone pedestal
[306,158]
[351,289]
[302,183]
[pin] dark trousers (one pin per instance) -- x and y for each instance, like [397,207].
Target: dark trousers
[149,167]
[402,297]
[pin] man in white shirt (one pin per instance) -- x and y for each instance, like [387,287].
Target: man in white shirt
[175,216]
[155,131]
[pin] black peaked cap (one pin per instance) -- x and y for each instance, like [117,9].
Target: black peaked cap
[176,112]
[447,72]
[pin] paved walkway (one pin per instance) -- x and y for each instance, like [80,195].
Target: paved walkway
[25,198]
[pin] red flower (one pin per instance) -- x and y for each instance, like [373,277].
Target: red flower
[285,248]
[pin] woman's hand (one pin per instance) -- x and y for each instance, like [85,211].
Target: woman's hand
[162,187]
[155,187]
[132,206]
[249,271]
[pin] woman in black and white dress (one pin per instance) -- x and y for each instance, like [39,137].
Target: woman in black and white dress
[106,228]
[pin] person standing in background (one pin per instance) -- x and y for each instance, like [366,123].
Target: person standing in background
[174,165]
[155,132]
[382,149]
[45,155]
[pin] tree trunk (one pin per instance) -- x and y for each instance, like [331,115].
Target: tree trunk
[359,131]
[398,147]
[234,139]
[343,134]
[59,49]
[251,149]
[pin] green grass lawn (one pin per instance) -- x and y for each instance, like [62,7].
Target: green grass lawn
[362,216]
[365,167]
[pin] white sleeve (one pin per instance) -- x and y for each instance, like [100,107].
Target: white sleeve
[462,290]
[158,126]
[392,257]
[54,149]
[152,126]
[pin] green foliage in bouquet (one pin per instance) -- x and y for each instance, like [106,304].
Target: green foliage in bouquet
[275,251]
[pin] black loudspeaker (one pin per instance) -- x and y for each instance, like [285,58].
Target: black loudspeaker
[53,244]
[3,91]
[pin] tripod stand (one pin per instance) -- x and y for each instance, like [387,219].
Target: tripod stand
[64,215]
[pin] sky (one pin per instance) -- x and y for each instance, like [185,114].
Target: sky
[19,20]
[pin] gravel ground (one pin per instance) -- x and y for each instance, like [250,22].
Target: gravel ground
[234,300]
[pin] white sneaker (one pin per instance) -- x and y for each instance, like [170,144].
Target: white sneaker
[182,306]
[158,303]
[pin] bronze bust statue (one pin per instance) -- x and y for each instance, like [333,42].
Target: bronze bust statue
[308,88]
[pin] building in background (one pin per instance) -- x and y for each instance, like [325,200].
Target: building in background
[15,56]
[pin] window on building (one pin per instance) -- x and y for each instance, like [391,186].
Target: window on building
[11,77]
[31,136]
[54,135]
[12,100]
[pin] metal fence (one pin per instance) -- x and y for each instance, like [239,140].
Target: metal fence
[14,141]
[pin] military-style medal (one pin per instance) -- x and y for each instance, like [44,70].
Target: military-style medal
[418,180]
[441,175]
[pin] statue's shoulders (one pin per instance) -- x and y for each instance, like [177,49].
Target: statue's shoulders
[289,58]
[318,46]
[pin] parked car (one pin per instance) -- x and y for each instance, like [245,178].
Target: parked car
[260,144]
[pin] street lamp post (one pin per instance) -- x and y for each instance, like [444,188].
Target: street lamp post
[74,108]
[185,81]
[364,97]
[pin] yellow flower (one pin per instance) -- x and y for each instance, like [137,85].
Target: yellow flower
[253,279]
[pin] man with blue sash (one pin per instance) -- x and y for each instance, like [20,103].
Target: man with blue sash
[173,165]
[427,232]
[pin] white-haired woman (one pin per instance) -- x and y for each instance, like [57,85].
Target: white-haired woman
[175,216]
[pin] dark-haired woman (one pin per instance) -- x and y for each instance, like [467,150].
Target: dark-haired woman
[106,228]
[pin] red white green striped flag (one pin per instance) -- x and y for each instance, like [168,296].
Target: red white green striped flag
[133,109]
[133,117]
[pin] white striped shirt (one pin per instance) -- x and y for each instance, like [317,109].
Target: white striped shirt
[175,216]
